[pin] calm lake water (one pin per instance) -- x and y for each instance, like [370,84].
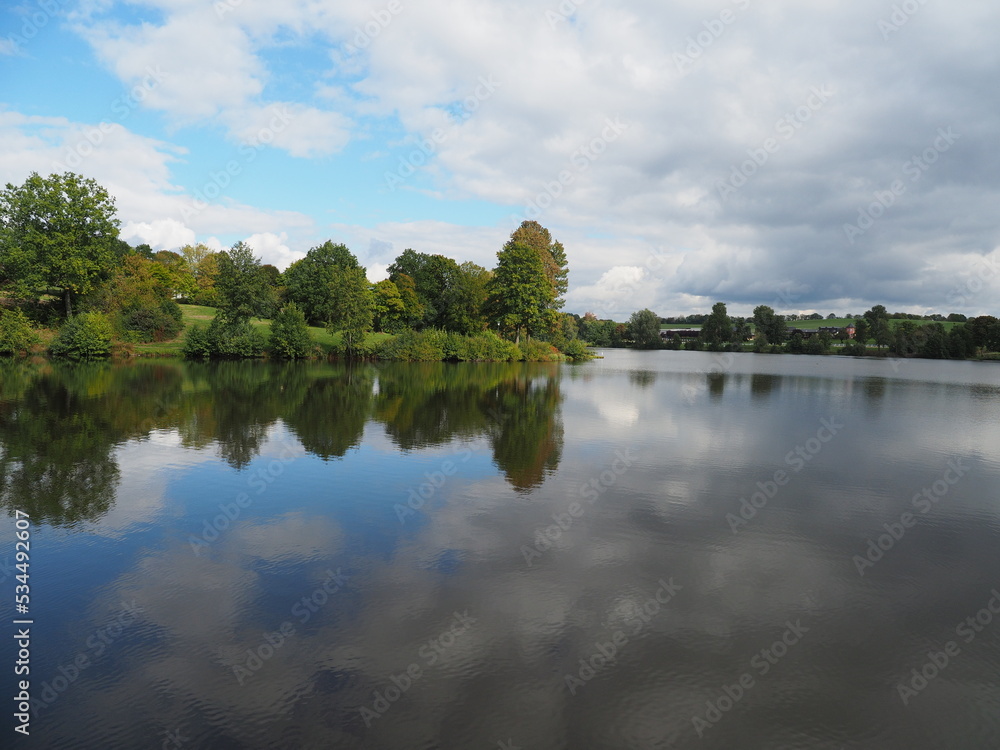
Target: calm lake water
[652,550]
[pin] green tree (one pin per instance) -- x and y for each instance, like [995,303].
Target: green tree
[464,300]
[862,331]
[289,338]
[644,329]
[773,326]
[308,280]
[878,325]
[243,289]
[16,334]
[389,311]
[520,294]
[552,254]
[59,234]
[353,306]
[718,329]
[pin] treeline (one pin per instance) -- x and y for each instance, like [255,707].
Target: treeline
[767,331]
[63,266]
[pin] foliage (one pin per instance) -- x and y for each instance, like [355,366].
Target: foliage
[224,339]
[243,289]
[718,329]
[85,336]
[204,265]
[771,325]
[534,350]
[289,337]
[352,306]
[389,309]
[308,281]
[551,253]
[57,233]
[520,295]
[137,299]
[644,329]
[16,333]
[878,325]
[576,350]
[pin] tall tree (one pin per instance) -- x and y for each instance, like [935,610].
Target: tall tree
[552,254]
[58,233]
[878,324]
[388,307]
[520,295]
[243,289]
[644,329]
[353,306]
[718,329]
[772,326]
[308,280]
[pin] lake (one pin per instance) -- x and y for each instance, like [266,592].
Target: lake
[650,550]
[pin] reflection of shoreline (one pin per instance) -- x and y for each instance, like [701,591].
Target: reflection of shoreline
[61,425]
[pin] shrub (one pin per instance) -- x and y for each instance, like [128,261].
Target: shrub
[855,349]
[86,336]
[290,337]
[224,340]
[151,323]
[16,334]
[533,350]
[413,346]
[577,350]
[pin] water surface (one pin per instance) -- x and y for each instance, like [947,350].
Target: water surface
[652,550]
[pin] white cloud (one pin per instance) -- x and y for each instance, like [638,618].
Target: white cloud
[161,234]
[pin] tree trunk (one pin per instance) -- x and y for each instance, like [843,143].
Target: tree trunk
[69,305]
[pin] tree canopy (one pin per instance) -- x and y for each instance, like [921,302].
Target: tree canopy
[57,233]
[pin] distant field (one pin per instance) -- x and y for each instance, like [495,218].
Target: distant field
[812,325]
[199,315]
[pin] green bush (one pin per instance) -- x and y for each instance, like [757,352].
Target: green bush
[290,337]
[533,350]
[413,346]
[577,350]
[224,340]
[855,349]
[86,336]
[151,324]
[16,334]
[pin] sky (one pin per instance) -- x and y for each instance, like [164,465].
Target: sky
[819,157]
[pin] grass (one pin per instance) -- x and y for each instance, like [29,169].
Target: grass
[200,315]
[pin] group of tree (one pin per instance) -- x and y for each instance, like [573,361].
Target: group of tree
[768,331]
[61,258]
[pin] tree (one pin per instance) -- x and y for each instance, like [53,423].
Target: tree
[243,289]
[878,325]
[464,299]
[389,310]
[985,332]
[177,274]
[204,265]
[862,331]
[644,329]
[413,308]
[773,326]
[446,294]
[552,254]
[57,233]
[308,280]
[718,329]
[353,306]
[520,294]
[289,338]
